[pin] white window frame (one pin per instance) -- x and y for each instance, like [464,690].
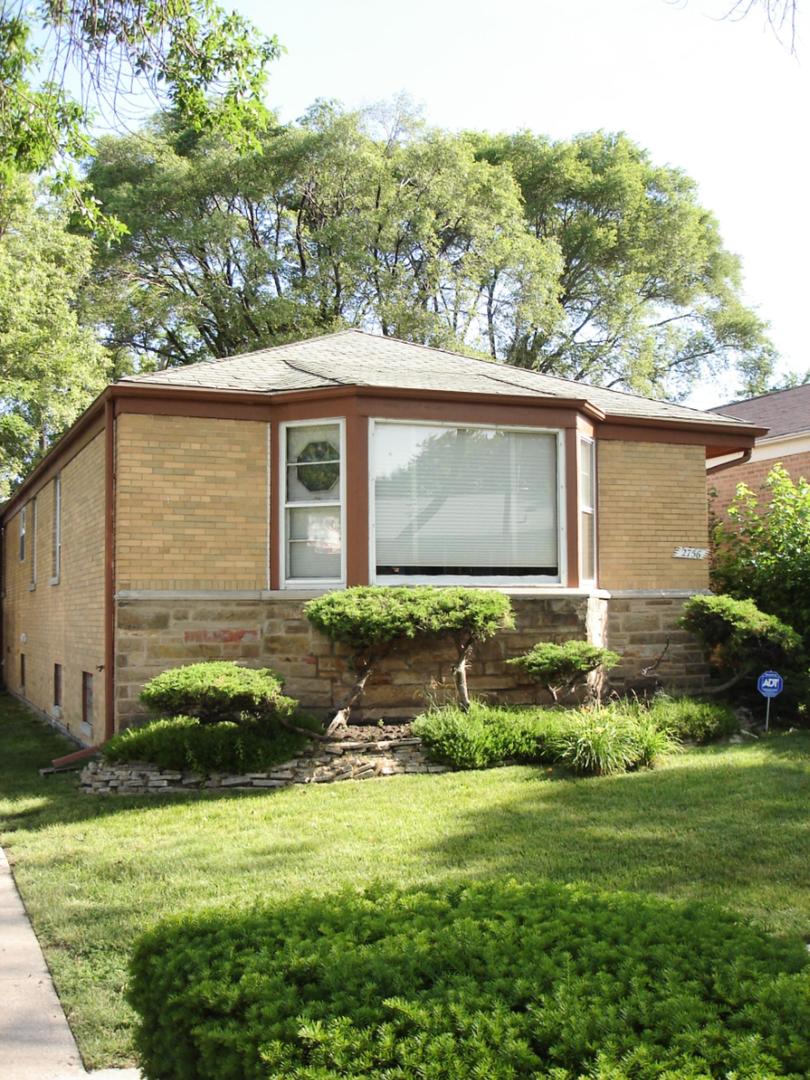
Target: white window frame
[32,581]
[21,537]
[457,579]
[56,564]
[284,505]
[584,507]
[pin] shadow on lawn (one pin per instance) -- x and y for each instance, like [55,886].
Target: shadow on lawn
[694,829]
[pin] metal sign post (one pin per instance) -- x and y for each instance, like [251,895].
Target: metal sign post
[770,684]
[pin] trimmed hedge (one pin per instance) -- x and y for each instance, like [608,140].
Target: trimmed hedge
[185,743]
[217,690]
[494,980]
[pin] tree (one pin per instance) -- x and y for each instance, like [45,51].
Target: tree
[323,227]
[190,56]
[51,366]
[780,15]
[762,550]
[650,296]
[580,258]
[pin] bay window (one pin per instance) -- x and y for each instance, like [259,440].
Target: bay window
[312,501]
[587,509]
[465,503]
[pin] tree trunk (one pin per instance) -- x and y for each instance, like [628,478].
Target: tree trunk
[341,717]
[721,689]
[460,676]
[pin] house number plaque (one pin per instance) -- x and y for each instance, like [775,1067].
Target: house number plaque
[690,553]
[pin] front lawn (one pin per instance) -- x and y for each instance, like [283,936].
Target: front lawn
[728,824]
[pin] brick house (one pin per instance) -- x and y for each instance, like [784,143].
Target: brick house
[786,415]
[189,513]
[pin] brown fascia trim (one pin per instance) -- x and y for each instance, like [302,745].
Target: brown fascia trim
[253,405]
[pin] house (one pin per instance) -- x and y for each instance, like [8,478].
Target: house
[786,415]
[190,513]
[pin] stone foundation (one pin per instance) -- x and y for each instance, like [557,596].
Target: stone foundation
[327,763]
[153,635]
[158,633]
[640,629]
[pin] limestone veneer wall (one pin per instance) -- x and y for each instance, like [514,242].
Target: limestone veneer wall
[153,635]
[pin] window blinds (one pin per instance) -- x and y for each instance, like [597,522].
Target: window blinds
[465,500]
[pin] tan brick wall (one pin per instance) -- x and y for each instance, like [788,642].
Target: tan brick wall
[191,503]
[154,635]
[61,622]
[754,474]
[651,500]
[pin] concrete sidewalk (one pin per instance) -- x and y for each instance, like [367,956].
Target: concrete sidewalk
[35,1040]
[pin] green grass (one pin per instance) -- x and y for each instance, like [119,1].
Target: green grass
[728,824]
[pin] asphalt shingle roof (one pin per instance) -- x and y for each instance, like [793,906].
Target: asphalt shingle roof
[783,412]
[356,358]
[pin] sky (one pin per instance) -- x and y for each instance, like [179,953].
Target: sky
[723,100]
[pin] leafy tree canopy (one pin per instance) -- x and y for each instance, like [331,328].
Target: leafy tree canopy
[50,365]
[578,258]
[190,56]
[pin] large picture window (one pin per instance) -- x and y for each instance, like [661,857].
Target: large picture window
[462,503]
[313,501]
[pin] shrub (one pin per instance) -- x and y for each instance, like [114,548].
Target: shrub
[561,667]
[373,619]
[763,550]
[742,636]
[490,979]
[185,743]
[468,617]
[591,742]
[485,736]
[692,720]
[218,690]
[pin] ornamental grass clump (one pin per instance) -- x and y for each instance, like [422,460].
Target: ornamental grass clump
[561,668]
[491,979]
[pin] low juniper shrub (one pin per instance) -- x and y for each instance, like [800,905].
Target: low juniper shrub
[217,690]
[562,667]
[491,979]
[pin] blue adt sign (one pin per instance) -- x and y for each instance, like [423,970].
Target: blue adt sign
[770,683]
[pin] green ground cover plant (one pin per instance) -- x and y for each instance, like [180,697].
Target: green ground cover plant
[595,741]
[97,873]
[497,980]
[185,743]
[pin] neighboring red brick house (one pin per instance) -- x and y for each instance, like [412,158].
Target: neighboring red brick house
[189,513]
[786,415]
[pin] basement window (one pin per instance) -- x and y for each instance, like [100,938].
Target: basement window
[22,671]
[87,701]
[57,685]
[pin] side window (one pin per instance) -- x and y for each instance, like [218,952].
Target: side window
[313,501]
[587,509]
[56,553]
[23,525]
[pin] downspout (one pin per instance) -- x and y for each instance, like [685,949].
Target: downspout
[745,456]
[109,566]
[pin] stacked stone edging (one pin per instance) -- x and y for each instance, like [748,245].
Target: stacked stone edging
[326,763]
